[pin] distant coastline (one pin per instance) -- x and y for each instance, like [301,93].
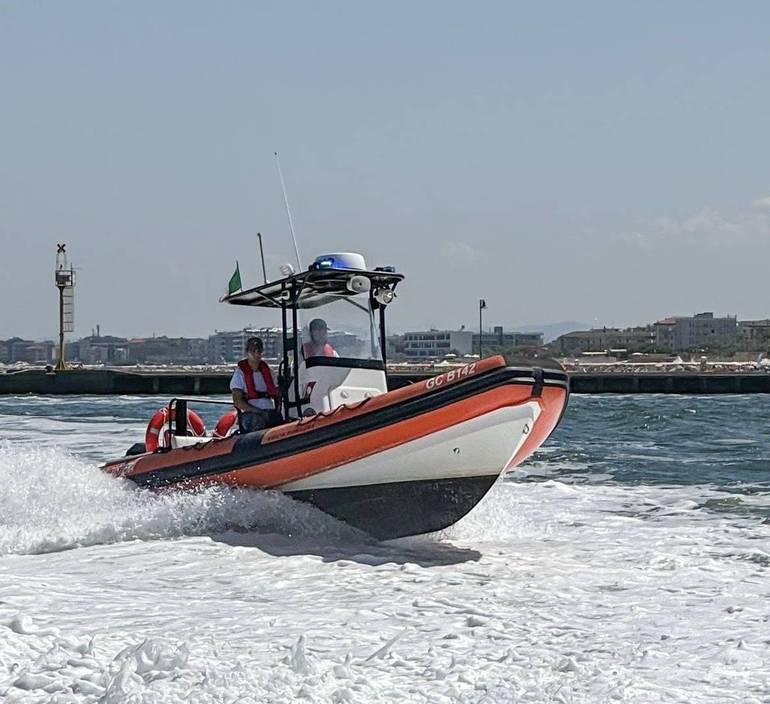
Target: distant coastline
[214,380]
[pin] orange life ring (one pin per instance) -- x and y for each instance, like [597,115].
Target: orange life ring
[226,425]
[156,436]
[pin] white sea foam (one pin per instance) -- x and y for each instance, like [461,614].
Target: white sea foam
[547,592]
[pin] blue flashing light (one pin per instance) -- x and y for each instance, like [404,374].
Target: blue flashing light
[342,260]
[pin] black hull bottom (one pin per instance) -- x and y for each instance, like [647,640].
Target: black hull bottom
[395,510]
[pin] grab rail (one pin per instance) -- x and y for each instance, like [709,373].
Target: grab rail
[177,421]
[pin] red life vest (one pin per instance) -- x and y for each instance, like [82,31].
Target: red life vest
[251,387]
[307,350]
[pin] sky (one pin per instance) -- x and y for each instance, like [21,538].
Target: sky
[599,161]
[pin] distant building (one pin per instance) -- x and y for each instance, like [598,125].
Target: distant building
[754,335]
[98,349]
[42,352]
[227,347]
[499,338]
[395,347]
[636,339]
[18,350]
[527,339]
[432,344]
[167,350]
[346,343]
[703,330]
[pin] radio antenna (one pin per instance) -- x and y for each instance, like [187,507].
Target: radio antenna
[262,257]
[288,212]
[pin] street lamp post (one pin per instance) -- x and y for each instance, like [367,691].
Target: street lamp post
[482,305]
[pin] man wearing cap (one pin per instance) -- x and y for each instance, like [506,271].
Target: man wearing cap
[254,390]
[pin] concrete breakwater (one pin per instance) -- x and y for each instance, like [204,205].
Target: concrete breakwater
[670,383]
[205,382]
[102,382]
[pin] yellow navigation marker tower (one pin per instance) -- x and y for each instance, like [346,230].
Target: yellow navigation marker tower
[65,282]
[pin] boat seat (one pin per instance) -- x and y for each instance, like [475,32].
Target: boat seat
[187,440]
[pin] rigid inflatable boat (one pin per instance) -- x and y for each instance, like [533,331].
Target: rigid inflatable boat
[392,463]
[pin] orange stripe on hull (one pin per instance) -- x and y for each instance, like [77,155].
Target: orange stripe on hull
[274,473]
[131,466]
[147,463]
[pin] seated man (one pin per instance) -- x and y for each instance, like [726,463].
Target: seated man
[254,390]
[318,346]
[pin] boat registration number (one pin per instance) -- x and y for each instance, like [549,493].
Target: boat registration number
[449,377]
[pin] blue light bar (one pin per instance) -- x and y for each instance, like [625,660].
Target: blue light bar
[339,260]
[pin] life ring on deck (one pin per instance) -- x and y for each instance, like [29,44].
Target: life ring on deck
[156,436]
[226,425]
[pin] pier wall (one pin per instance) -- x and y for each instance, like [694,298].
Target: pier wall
[103,382]
[681,383]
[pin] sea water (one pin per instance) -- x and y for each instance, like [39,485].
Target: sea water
[627,561]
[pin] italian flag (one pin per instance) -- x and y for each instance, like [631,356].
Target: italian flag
[234,284]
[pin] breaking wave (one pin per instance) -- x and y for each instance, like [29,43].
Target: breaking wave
[54,501]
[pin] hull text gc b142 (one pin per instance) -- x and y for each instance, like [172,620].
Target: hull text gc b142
[392,463]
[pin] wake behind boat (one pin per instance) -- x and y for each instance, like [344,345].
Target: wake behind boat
[392,463]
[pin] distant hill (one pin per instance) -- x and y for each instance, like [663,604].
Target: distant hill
[553,330]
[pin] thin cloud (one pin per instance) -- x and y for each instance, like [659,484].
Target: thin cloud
[459,253]
[706,228]
[762,204]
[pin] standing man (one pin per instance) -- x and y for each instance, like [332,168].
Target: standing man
[254,390]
